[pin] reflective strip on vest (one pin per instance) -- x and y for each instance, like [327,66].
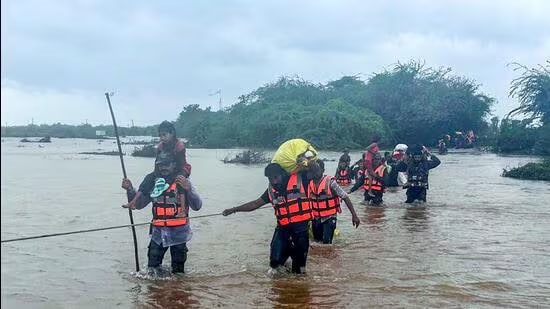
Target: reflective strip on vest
[323,202]
[293,207]
[417,181]
[343,177]
[375,185]
[167,211]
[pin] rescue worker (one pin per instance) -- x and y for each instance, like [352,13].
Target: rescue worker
[325,195]
[172,195]
[370,152]
[442,147]
[356,169]
[287,193]
[343,175]
[345,158]
[419,162]
[374,186]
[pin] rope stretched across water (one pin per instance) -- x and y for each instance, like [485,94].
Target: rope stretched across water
[102,228]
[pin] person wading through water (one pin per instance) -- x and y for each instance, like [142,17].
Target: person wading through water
[172,195]
[288,195]
[325,195]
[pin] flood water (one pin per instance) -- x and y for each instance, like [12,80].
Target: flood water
[483,241]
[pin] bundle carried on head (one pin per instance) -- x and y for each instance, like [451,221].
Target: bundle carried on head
[294,155]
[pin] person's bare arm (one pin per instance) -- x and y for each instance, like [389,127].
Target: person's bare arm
[248,206]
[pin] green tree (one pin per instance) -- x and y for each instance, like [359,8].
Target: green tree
[532,88]
[422,104]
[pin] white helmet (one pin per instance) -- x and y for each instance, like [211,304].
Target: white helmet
[401,147]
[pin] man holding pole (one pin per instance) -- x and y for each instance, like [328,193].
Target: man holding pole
[171,195]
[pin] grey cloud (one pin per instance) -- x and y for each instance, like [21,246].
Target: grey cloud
[179,51]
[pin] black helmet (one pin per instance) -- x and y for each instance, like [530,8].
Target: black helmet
[168,127]
[165,158]
[414,150]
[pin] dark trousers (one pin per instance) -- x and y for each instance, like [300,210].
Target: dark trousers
[374,200]
[156,252]
[323,231]
[290,243]
[416,193]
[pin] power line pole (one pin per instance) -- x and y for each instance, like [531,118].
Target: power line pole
[219,93]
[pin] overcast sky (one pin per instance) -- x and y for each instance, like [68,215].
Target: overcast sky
[59,57]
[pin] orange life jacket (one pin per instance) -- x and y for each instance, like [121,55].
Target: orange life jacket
[375,185]
[167,211]
[343,177]
[323,202]
[293,207]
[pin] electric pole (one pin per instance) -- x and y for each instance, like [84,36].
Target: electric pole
[219,93]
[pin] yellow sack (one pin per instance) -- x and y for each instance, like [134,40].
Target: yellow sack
[293,155]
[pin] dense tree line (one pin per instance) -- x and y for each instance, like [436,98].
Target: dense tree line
[408,103]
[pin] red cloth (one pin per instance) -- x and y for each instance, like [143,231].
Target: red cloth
[367,157]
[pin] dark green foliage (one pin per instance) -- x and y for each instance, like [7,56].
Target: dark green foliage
[532,88]
[515,137]
[532,171]
[248,157]
[532,134]
[421,104]
[405,104]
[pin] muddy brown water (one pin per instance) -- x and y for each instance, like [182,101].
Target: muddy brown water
[481,241]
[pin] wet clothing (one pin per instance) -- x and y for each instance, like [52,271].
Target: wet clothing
[343,176]
[178,254]
[290,242]
[168,208]
[323,226]
[377,186]
[292,205]
[291,239]
[323,230]
[167,236]
[163,237]
[177,148]
[375,199]
[393,174]
[417,177]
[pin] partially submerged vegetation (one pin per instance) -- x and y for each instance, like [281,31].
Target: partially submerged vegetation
[45,139]
[106,153]
[147,151]
[530,171]
[247,157]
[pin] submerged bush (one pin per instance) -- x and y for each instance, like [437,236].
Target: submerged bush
[148,151]
[531,171]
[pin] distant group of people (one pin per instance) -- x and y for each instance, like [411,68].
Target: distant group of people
[299,198]
[459,140]
[303,200]
[406,167]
